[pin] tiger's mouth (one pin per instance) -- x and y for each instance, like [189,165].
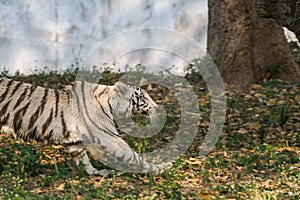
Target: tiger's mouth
[158,116]
[144,117]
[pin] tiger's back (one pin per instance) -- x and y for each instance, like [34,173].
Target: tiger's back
[36,113]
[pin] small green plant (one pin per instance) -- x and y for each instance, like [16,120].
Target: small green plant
[262,135]
[246,163]
[283,116]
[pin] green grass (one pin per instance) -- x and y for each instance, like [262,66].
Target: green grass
[256,157]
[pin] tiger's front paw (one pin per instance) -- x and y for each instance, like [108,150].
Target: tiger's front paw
[94,171]
[102,172]
[163,167]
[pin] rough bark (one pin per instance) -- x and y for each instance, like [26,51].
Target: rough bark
[285,12]
[247,43]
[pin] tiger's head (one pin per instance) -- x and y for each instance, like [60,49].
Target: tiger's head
[130,100]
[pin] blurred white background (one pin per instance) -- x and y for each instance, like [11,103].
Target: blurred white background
[52,33]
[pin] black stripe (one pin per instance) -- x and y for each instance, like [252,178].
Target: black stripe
[32,89]
[138,102]
[4,119]
[31,134]
[47,137]
[17,123]
[18,117]
[107,115]
[17,86]
[95,89]
[24,109]
[56,92]
[20,99]
[4,109]
[77,98]
[47,123]
[109,132]
[121,158]
[110,108]
[69,96]
[65,131]
[39,110]
[79,109]
[44,100]
[133,102]
[104,91]
[9,83]
[111,111]
[129,159]
[77,153]
[33,119]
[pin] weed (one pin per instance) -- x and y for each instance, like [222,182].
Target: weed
[246,163]
[283,116]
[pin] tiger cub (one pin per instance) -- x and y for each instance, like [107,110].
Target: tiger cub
[81,112]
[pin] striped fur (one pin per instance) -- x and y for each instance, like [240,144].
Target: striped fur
[81,116]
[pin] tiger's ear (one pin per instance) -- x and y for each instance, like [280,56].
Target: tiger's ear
[123,90]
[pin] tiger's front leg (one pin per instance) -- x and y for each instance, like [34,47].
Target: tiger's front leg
[79,154]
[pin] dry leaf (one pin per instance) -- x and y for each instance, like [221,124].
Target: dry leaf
[248,97]
[58,146]
[225,154]
[203,196]
[43,162]
[271,102]
[203,103]
[61,187]
[255,126]
[52,162]
[256,87]
[259,95]
[243,131]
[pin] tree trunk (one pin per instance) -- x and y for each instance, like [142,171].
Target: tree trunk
[247,43]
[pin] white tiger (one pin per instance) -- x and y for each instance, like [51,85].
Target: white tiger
[81,112]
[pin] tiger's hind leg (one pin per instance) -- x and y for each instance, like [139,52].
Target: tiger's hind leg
[79,155]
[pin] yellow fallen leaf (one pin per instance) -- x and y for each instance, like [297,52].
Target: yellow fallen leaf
[243,131]
[58,146]
[61,187]
[203,103]
[271,102]
[225,154]
[255,126]
[252,151]
[259,95]
[256,87]
[297,98]
[248,97]
[194,161]
[43,162]
[239,168]
[203,196]
[52,162]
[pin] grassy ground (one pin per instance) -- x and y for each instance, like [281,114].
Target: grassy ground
[256,157]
